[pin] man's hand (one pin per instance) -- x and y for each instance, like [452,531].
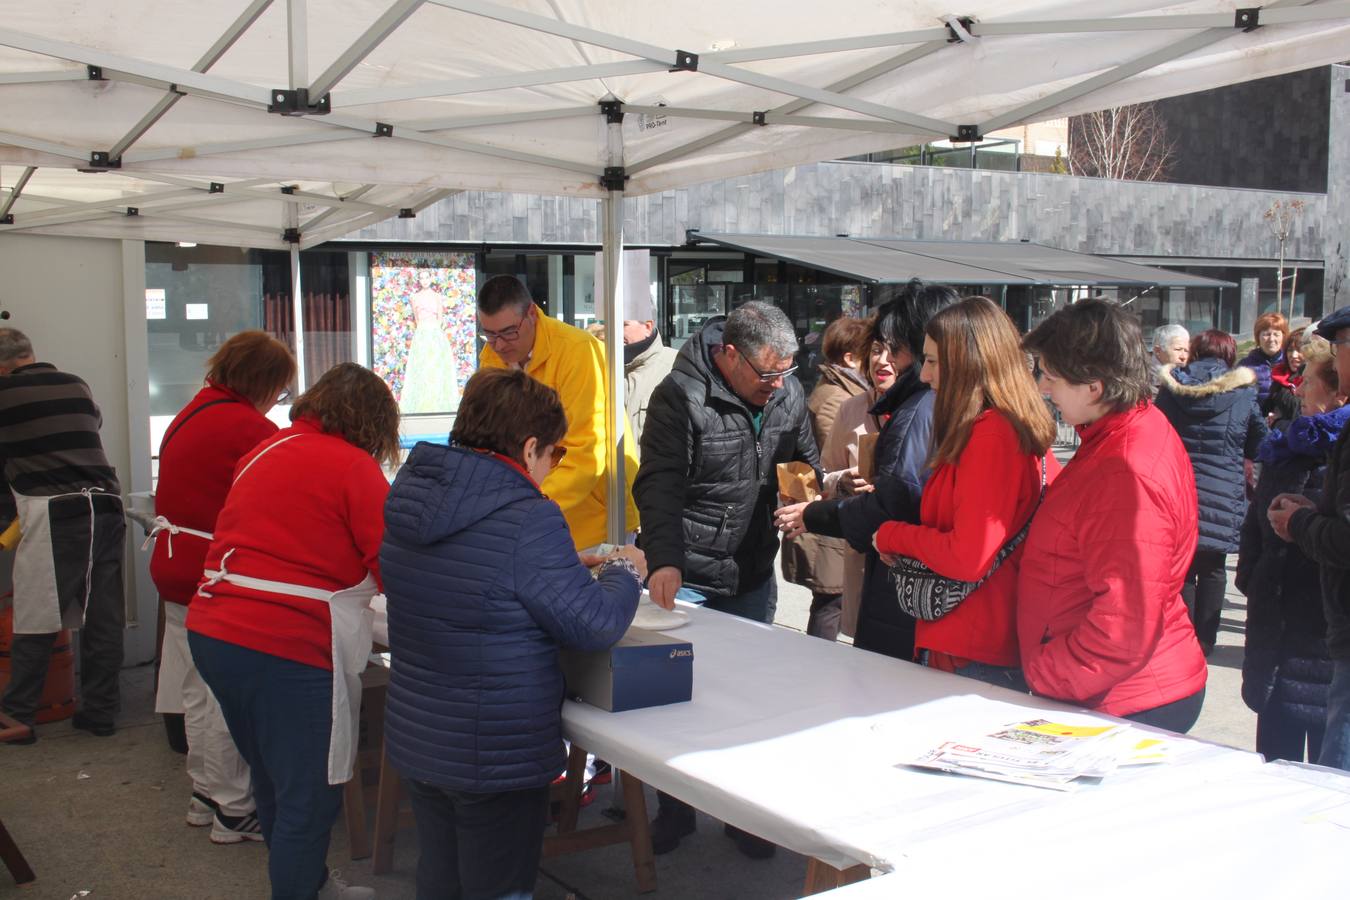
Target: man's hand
[662,585]
[1282,509]
[636,557]
[788,519]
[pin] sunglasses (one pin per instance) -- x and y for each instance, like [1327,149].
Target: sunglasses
[556,457]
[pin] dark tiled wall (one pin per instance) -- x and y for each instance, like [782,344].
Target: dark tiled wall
[1268,134]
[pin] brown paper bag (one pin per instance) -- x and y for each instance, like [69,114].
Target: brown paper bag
[797,482]
[867,456]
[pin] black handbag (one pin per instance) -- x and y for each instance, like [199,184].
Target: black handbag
[926,595]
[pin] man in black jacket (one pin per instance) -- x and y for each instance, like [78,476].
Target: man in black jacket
[717,426]
[1322,532]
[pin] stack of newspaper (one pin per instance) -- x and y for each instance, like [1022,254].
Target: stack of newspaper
[1042,753]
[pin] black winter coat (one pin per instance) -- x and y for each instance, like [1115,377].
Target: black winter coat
[708,484]
[1324,535]
[1286,660]
[1214,410]
[901,470]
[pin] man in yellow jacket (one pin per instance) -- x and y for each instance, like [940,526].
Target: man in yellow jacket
[517,334]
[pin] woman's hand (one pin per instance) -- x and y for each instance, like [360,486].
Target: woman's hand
[852,482]
[1282,509]
[887,559]
[636,557]
[788,519]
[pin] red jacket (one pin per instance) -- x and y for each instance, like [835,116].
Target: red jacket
[196,465]
[1100,618]
[968,512]
[310,512]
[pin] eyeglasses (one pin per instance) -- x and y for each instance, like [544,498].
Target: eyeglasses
[556,456]
[284,396]
[506,335]
[766,377]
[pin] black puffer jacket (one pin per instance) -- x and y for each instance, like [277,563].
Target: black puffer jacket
[1214,410]
[708,485]
[901,470]
[1286,660]
[1324,535]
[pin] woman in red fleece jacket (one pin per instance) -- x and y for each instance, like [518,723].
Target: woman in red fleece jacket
[197,457]
[991,437]
[1100,618]
[280,625]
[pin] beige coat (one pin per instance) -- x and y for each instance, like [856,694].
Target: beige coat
[641,376]
[811,560]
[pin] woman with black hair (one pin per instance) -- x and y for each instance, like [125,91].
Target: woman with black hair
[906,414]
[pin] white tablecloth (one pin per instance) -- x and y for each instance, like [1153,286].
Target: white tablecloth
[796,739]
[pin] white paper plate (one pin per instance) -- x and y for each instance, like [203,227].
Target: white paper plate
[654,618]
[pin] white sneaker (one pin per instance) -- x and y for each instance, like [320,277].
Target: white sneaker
[337,889]
[235,829]
[201,811]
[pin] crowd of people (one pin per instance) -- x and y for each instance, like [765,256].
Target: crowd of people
[946,533]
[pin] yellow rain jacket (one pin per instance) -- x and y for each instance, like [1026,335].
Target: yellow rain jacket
[572,362]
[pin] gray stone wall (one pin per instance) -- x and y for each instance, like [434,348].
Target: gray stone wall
[1337,227]
[876,200]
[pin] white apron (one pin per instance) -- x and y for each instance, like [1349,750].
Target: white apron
[175,661]
[37,604]
[350,644]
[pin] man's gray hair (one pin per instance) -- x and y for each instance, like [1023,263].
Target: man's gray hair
[14,346]
[757,326]
[1165,334]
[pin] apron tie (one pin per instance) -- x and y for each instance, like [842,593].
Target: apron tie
[215,576]
[159,523]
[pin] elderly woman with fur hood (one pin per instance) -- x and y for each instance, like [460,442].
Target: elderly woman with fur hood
[1215,411]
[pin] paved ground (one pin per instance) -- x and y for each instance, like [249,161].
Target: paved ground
[104,816]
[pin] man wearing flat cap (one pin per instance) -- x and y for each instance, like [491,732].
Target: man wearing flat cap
[1321,529]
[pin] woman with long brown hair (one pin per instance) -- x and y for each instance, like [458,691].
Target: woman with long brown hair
[990,462]
[280,627]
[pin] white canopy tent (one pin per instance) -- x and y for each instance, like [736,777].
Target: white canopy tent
[285,123]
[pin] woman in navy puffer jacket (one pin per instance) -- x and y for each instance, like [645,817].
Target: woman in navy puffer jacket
[1214,409]
[484,587]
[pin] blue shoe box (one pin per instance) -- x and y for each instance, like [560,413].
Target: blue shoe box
[645,668]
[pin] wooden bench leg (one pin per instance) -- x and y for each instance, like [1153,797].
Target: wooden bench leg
[13,858]
[354,811]
[639,833]
[821,877]
[386,817]
[572,788]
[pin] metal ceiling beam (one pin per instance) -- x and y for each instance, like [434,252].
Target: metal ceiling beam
[1270,15]
[15,191]
[771,118]
[461,86]
[44,77]
[326,136]
[835,45]
[327,214]
[208,59]
[297,43]
[21,224]
[558,28]
[161,76]
[315,238]
[123,201]
[352,57]
[1172,51]
[844,84]
[451,124]
[55,149]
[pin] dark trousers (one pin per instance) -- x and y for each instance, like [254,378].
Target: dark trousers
[280,714]
[104,614]
[1178,716]
[826,610]
[1203,592]
[1281,736]
[477,846]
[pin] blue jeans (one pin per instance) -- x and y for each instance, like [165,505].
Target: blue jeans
[1336,743]
[477,846]
[280,714]
[758,603]
[999,676]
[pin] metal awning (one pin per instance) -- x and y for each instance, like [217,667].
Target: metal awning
[895,261]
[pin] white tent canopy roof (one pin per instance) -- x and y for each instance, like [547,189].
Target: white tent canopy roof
[469,94]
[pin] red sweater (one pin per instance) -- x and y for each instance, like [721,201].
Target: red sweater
[196,466]
[310,512]
[968,512]
[1100,615]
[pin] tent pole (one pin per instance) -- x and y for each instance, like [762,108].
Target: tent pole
[612,243]
[297,304]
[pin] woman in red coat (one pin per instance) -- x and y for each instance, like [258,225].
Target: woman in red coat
[245,378]
[1100,618]
[990,460]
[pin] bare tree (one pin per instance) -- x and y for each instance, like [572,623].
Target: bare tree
[1127,143]
[1280,217]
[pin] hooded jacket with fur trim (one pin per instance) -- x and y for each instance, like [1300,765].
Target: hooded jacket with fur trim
[1214,410]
